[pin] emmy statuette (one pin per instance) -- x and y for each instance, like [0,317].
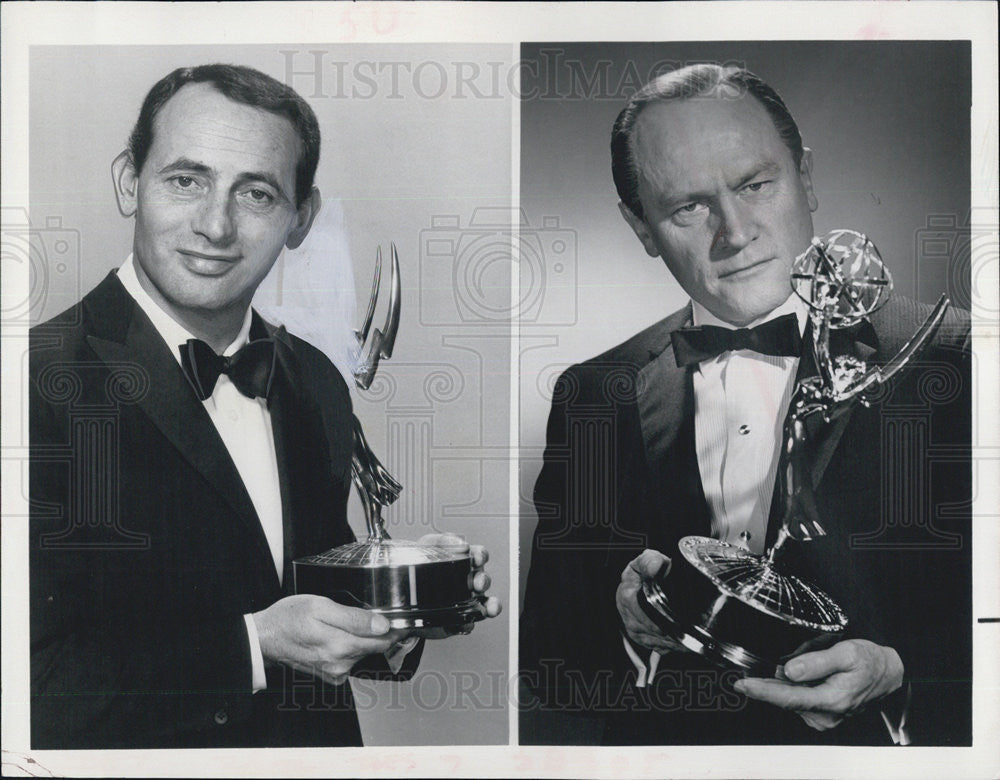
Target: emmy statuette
[412,585]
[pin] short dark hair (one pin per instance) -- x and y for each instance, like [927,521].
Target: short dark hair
[244,85]
[703,80]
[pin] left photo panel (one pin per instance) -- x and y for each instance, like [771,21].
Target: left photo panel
[266,411]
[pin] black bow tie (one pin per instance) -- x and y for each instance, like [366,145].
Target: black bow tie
[250,368]
[779,336]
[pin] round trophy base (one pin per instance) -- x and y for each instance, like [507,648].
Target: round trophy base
[737,610]
[455,616]
[656,605]
[411,584]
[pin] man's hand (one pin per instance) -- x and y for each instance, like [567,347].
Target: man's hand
[479,581]
[826,686]
[638,626]
[319,636]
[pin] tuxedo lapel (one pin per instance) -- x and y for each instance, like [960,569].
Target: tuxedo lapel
[665,401]
[662,395]
[305,468]
[662,392]
[121,333]
[293,447]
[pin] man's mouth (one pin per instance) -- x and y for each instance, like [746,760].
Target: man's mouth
[208,264]
[746,268]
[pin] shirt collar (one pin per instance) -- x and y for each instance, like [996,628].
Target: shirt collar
[170,330]
[793,304]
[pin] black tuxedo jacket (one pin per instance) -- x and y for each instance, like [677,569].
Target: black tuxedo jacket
[146,550]
[893,487]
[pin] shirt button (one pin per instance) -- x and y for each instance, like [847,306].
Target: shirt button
[744,430]
[234,416]
[222,717]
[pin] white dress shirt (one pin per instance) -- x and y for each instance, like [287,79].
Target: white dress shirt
[740,401]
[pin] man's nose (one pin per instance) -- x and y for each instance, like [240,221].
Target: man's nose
[214,219]
[737,226]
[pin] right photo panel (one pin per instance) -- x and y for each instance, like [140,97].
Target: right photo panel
[746,393]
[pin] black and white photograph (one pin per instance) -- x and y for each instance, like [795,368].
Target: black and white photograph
[196,577]
[530,389]
[750,428]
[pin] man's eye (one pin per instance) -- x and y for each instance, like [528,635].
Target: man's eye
[757,186]
[259,196]
[184,182]
[689,209]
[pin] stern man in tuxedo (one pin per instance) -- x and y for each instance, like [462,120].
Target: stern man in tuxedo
[714,179]
[185,451]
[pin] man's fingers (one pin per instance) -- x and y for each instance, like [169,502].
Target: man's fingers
[493,606]
[480,555]
[369,645]
[450,541]
[360,622]
[644,631]
[631,614]
[820,664]
[787,696]
[656,642]
[651,563]
[641,627]
[479,581]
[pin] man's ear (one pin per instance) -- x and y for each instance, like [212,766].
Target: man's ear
[126,180]
[805,173]
[640,228]
[304,218]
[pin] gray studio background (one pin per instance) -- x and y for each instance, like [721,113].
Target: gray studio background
[416,138]
[888,123]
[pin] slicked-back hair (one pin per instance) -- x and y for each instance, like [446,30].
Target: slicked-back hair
[692,81]
[243,85]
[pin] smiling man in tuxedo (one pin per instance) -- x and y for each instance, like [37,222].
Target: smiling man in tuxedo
[185,451]
[714,179]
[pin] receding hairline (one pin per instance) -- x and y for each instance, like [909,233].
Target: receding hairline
[690,83]
[298,144]
[663,104]
[641,160]
[211,87]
